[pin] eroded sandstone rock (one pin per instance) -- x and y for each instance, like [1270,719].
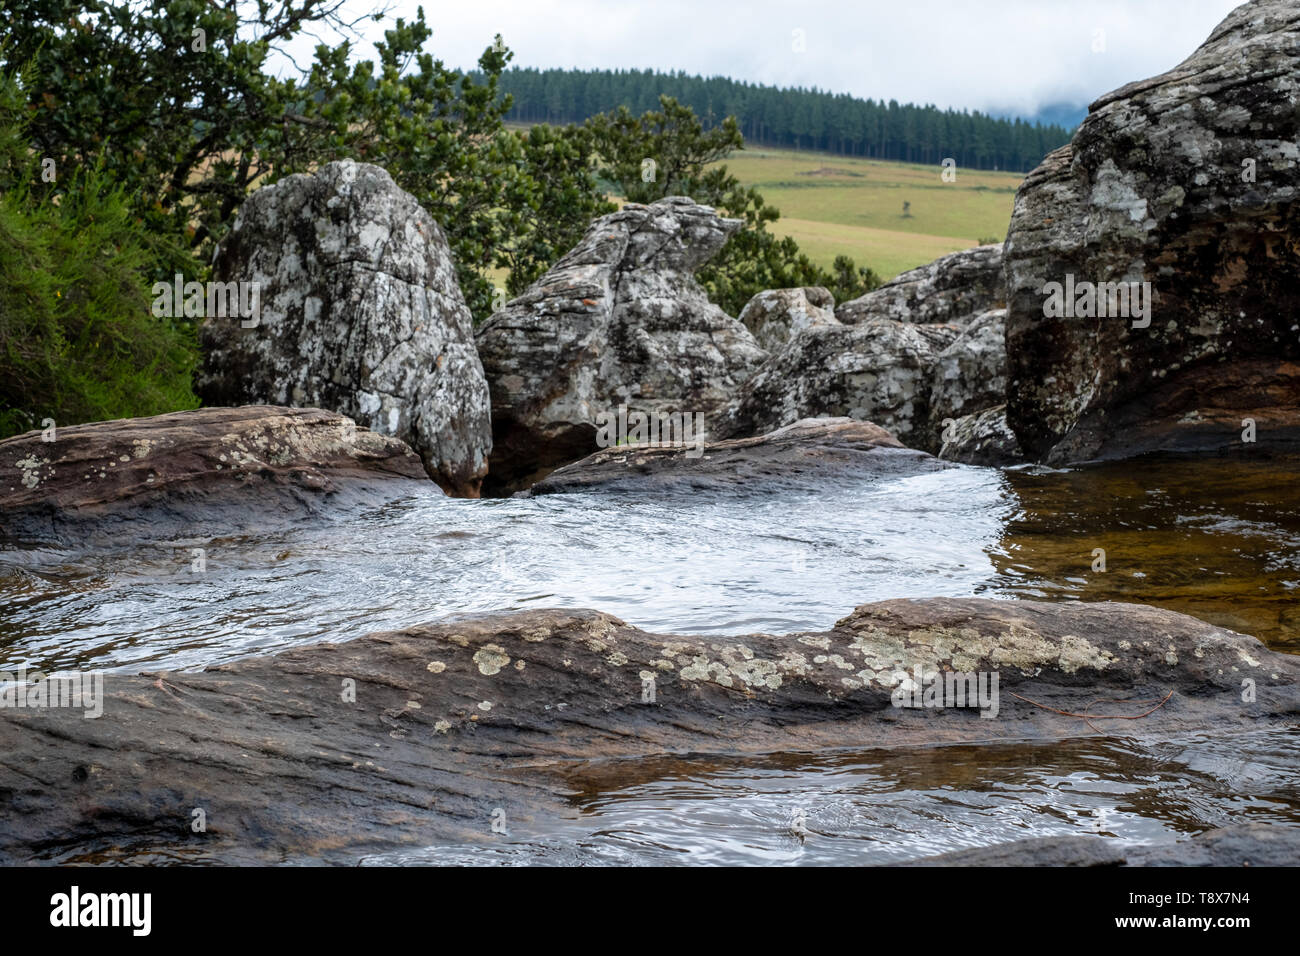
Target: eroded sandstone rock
[811,451]
[415,737]
[361,314]
[223,468]
[1187,181]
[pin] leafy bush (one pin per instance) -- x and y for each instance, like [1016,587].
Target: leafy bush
[78,340]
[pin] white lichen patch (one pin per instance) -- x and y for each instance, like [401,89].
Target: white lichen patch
[617,659]
[519,665]
[1171,656]
[442,726]
[815,641]
[490,659]
[435,667]
[485,705]
[31,470]
[537,635]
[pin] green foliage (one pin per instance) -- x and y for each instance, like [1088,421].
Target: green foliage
[685,155]
[78,341]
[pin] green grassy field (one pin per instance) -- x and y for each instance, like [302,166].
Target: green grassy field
[835,204]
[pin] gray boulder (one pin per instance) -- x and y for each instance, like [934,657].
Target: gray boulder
[952,289]
[1187,181]
[777,314]
[878,371]
[360,314]
[620,320]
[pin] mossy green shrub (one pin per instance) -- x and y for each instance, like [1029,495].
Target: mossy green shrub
[78,339]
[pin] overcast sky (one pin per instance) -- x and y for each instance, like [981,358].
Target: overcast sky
[1011,56]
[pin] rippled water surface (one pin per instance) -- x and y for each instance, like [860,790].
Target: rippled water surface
[1216,539]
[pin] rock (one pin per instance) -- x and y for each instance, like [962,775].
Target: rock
[417,737]
[232,467]
[953,289]
[361,314]
[1241,844]
[876,371]
[811,451]
[775,315]
[1187,181]
[620,320]
[970,375]
[983,438]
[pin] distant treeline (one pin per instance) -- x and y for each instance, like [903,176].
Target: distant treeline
[798,118]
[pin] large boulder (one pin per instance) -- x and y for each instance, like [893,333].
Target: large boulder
[361,314]
[775,315]
[952,289]
[877,371]
[224,469]
[620,320]
[424,736]
[1187,181]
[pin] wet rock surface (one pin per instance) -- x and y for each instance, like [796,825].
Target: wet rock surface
[219,468]
[361,314]
[952,289]
[1187,181]
[1242,844]
[416,737]
[620,320]
[809,452]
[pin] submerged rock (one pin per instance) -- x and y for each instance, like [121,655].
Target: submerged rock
[620,320]
[361,314]
[1187,181]
[812,451]
[228,468]
[952,289]
[425,735]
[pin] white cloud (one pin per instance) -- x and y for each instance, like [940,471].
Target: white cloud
[1006,55]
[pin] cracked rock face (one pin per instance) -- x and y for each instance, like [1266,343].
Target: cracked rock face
[970,375]
[620,320]
[877,371]
[361,314]
[952,289]
[777,314]
[1188,181]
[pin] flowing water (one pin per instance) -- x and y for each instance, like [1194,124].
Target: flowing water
[1219,539]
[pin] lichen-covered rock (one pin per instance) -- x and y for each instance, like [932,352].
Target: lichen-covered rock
[971,374]
[1187,181]
[981,438]
[361,314]
[225,469]
[808,453]
[620,320]
[419,737]
[877,371]
[777,314]
[952,289]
